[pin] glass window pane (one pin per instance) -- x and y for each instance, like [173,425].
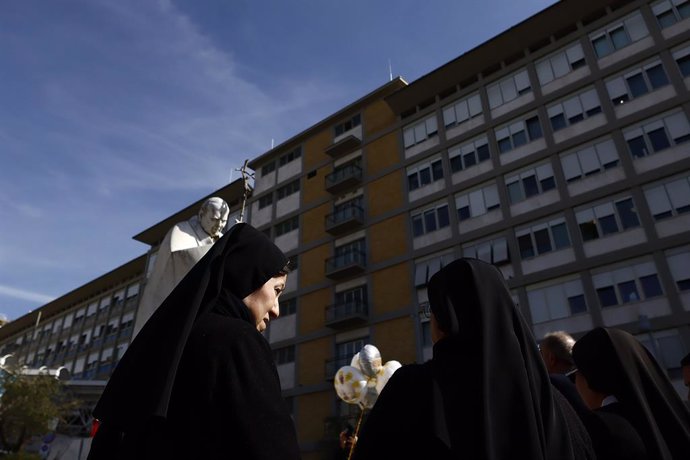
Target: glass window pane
[483,152]
[619,38]
[515,192]
[469,159]
[637,85]
[542,240]
[560,236]
[547,184]
[456,163]
[608,225]
[607,296]
[437,170]
[504,145]
[533,128]
[525,246]
[417,226]
[425,176]
[519,138]
[684,65]
[650,286]
[657,76]
[430,220]
[577,304]
[464,213]
[627,214]
[558,122]
[602,46]
[589,231]
[628,291]
[413,181]
[659,139]
[638,147]
[443,218]
[530,184]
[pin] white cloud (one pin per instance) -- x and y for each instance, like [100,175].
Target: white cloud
[25,295]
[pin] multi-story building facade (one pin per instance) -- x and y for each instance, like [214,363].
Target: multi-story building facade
[557,151]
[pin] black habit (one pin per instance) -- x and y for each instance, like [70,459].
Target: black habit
[199,380]
[614,363]
[484,394]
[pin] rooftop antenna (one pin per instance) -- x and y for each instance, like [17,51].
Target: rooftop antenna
[390,70]
[247,188]
[272,143]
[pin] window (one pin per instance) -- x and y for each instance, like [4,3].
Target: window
[424,173]
[430,220]
[289,157]
[518,133]
[426,268]
[619,35]
[682,57]
[350,252]
[560,63]
[574,109]
[636,82]
[351,301]
[288,189]
[508,89]
[347,125]
[469,154]
[293,262]
[606,219]
[589,160]
[268,168]
[530,182]
[420,132]
[477,202]
[284,355]
[680,269]
[493,251]
[653,136]
[557,300]
[461,111]
[669,12]
[670,198]
[345,351]
[542,238]
[287,226]
[288,307]
[266,200]
[632,283]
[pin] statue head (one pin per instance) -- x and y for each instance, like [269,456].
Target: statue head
[213,216]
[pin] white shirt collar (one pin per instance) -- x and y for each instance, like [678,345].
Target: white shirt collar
[610,399]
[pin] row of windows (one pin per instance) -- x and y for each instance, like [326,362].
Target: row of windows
[615,36]
[347,125]
[649,136]
[288,189]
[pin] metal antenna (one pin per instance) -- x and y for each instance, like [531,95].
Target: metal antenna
[390,71]
[247,188]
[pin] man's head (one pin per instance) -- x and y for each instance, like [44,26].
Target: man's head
[556,350]
[213,216]
[685,369]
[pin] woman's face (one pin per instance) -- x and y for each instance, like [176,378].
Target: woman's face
[263,303]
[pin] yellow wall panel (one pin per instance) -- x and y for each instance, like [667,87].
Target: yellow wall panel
[312,361]
[385,194]
[382,153]
[313,408]
[313,262]
[314,149]
[395,340]
[312,310]
[377,117]
[313,225]
[388,238]
[391,289]
[314,188]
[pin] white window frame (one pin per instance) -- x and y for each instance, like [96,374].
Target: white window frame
[480,201]
[588,160]
[420,131]
[462,110]
[509,88]
[553,66]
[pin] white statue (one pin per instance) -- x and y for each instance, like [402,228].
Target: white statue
[182,247]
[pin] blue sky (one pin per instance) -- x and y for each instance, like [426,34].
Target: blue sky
[115,114]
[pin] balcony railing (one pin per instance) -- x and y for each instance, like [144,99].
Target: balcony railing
[347,314]
[347,264]
[343,177]
[345,219]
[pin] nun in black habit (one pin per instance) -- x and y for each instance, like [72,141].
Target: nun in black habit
[622,382]
[485,394]
[199,380]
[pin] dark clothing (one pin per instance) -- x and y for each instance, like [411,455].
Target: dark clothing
[199,381]
[485,394]
[569,391]
[613,436]
[614,363]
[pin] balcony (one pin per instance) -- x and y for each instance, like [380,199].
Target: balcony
[344,220]
[345,265]
[332,365]
[343,146]
[347,314]
[343,177]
